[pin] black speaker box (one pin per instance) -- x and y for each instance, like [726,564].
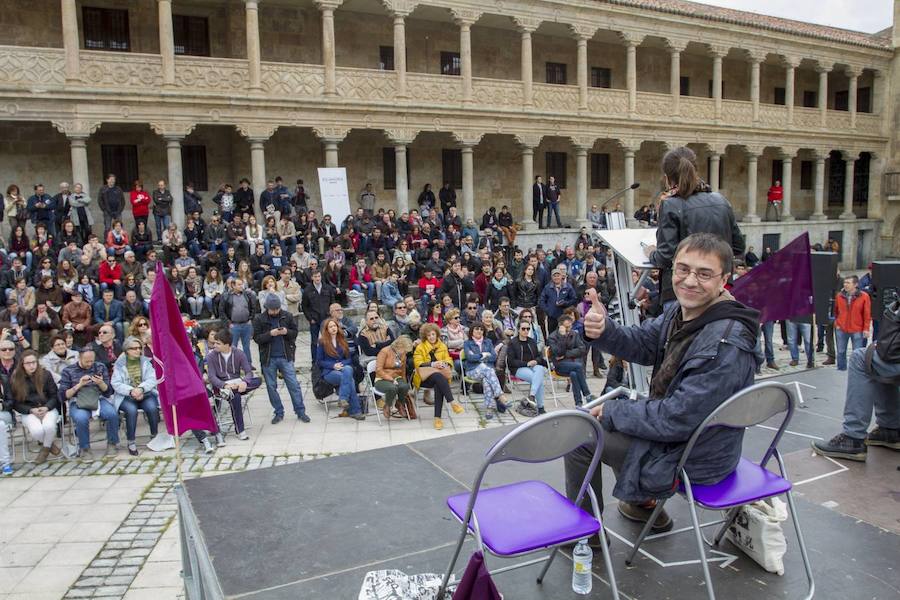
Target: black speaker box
[826,284]
[886,284]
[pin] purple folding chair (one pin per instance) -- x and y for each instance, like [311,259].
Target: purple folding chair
[528,516]
[749,482]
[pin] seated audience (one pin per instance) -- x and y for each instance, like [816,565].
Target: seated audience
[134,387]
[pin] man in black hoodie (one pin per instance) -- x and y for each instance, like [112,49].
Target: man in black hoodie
[703,350]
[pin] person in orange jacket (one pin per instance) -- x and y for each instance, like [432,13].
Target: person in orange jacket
[852,319]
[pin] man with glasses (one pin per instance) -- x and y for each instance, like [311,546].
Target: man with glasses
[373,337]
[556,296]
[472,312]
[703,350]
[7,421]
[85,385]
[108,310]
[106,348]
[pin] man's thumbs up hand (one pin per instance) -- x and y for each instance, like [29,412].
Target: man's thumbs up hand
[595,319]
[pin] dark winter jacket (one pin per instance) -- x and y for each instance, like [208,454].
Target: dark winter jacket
[519,354]
[262,326]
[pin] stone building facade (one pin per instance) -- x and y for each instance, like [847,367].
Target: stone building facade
[408,92]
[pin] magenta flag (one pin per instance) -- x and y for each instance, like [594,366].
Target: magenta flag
[782,287]
[181,383]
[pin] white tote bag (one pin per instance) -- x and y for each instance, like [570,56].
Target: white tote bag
[757,532]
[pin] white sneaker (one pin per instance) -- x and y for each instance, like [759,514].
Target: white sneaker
[243,436]
[220,440]
[208,447]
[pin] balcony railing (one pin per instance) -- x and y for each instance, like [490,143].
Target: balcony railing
[43,69]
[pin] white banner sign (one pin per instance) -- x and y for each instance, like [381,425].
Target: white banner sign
[334,194]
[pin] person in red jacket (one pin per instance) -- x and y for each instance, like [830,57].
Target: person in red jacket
[428,287]
[775,197]
[110,273]
[361,278]
[140,203]
[852,319]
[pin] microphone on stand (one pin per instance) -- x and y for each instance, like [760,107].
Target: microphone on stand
[620,193]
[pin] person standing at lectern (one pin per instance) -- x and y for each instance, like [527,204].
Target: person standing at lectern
[688,206]
[703,350]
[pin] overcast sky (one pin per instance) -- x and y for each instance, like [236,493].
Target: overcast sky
[861,15]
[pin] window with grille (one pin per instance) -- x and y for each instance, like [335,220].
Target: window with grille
[389,164]
[599,171]
[806,175]
[191,35]
[601,77]
[386,58]
[556,167]
[451,158]
[450,63]
[105,29]
[556,73]
[193,166]
[121,161]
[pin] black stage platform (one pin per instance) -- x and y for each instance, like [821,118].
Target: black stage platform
[312,530]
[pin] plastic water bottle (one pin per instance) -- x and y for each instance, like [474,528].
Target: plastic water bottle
[581,568]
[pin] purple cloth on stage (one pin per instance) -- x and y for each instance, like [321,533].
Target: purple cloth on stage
[476,582]
[181,386]
[780,288]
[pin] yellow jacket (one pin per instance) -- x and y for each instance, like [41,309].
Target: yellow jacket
[422,355]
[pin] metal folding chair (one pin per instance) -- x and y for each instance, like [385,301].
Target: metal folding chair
[28,456]
[529,516]
[554,377]
[372,393]
[750,481]
[466,384]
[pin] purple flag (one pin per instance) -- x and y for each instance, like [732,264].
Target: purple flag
[181,384]
[780,288]
[476,582]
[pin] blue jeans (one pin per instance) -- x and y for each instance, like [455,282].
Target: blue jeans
[864,394]
[535,376]
[553,208]
[805,330]
[343,380]
[162,222]
[575,372]
[768,329]
[841,338]
[270,372]
[150,406]
[82,420]
[370,289]
[243,332]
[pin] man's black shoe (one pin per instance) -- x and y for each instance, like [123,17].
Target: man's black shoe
[882,436]
[842,446]
[641,513]
[303,417]
[277,419]
[810,365]
[542,410]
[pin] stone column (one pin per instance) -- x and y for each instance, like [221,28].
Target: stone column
[581,189]
[176,179]
[819,208]
[629,179]
[78,146]
[327,7]
[823,70]
[254,65]
[675,49]
[465,20]
[400,178]
[790,68]
[400,56]
[70,41]
[787,169]
[714,158]
[468,181]
[853,74]
[258,164]
[850,166]
[751,216]
[526,27]
[167,46]
[717,55]
[582,72]
[527,181]
[331,153]
[876,201]
[755,62]
[631,44]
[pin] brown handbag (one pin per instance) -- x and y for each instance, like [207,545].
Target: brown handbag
[426,372]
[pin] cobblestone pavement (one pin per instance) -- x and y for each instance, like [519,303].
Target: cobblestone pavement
[108,528]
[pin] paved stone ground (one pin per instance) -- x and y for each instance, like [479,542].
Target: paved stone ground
[108,528]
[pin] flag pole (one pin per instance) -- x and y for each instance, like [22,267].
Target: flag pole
[813,338]
[178,460]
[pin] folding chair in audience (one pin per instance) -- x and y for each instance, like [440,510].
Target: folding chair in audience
[28,456]
[554,377]
[372,393]
[528,516]
[750,481]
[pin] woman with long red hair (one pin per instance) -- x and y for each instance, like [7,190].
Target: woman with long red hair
[334,360]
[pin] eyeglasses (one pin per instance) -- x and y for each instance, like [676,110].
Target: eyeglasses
[105,332]
[144,325]
[524,328]
[7,349]
[471,307]
[29,362]
[138,348]
[702,275]
[455,319]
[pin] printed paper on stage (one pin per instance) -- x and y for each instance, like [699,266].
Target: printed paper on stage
[627,243]
[334,194]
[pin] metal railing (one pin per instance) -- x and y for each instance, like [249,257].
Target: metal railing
[200,581]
